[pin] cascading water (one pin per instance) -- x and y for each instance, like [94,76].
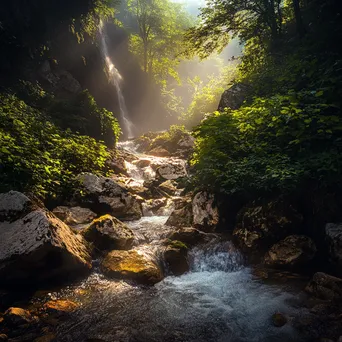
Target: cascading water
[116,79]
[218,300]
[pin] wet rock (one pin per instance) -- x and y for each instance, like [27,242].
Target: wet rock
[169,187]
[107,233]
[46,338]
[3,338]
[74,215]
[190,236]
[155,207]
[40,247]
[159,152]
[13,206]
[106,196]
[279,320]
[181,217]
[205,213]
[142,163]
[171,171]
[60,307]
[260,225]
[334,241]
[175,256]
[325,286]
[16,317]
[234,97]
[295,250]
[131,265]
[117,164]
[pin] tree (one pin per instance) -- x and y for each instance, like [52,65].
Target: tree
[157,35]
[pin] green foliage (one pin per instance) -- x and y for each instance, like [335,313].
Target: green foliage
[170,137]
[275,144]
[37,156]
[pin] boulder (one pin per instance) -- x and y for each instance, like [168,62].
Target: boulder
[117,164]
[181,217]
[14,205]
[175,257]
[171,171]
[38,247]
[325,286]
[15,317]
[131,265]
[168,187]
[333,233]
[205,212]
[107,233]
[234,97]
[142,163]
[105,196]
[190,236]
[60,307]
[159,152]
[74,215]
[295,250]
[260,225]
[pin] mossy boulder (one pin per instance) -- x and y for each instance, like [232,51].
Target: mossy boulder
[175,256]
[131,265]
[107,233]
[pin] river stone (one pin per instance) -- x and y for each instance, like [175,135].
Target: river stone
[131,265]
[107,233]
[190,236]
[15,317]
[260,225]
[333,233]
[168,187]
[171,171]
[39,247]
[74,215]
[142,163]
[325,286]
[181,217]
[295,250]
[105,196]
[175,257]
[159,152]
[205,213]
[60,307]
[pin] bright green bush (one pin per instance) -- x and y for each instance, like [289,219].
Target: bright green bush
[36,155]
[275,144]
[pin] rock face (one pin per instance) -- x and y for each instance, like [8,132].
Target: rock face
[74,215]
[105,196]
[333,234]
[107,233]
[181,217]
[205,213]
[260,225]
[131,265]
[37,246]
[234,97]
[175,256]
[190,236]
[171,171]
[295,250]
[325,286]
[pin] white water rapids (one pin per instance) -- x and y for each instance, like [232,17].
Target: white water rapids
[219,300]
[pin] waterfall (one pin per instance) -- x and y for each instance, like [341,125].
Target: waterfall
[115,79]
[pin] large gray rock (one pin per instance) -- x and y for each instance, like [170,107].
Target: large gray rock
[37,246]
[74,216]
[107,233]
[105,196]
[172,171]
[181,217]
[234,97]
[333,234]
[325,286]
[295,250]
[14,205]
[260,225]
[205,212]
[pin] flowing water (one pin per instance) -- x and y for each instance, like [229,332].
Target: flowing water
[116,79]
[219,300]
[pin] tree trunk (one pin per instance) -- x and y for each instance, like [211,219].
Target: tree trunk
[298,16]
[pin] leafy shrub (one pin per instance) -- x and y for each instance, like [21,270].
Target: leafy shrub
[275,144]
[37,156]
